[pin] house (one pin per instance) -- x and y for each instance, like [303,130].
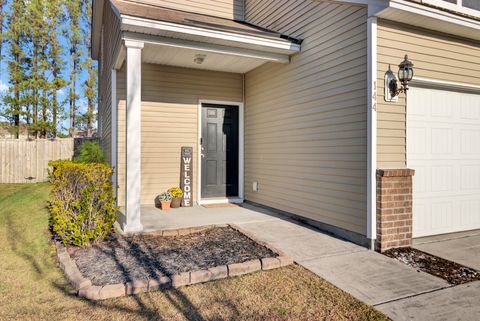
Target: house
[290,105]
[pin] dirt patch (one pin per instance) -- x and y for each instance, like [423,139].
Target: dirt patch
[120,259]
[452,272]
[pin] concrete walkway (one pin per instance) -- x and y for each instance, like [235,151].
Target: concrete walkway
[394,288]
[464,250]
[459,303]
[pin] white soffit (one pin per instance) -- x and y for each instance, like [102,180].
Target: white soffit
[430,18]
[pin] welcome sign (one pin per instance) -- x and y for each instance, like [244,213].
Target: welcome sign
[186,178]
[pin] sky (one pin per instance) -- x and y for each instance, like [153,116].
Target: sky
[63,93]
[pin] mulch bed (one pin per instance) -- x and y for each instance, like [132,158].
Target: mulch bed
[452,272]
[120,259]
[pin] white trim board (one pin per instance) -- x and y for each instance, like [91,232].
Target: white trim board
[427,17]
[372,130]
[241,151]
[279,44]
[434,13]
[456,7]
[114,125]
[446,85]
[208,47]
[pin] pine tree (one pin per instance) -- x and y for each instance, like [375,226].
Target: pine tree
[74,8]
[2,3]
[55,19]
[15,37]
[38,83]
[91,82]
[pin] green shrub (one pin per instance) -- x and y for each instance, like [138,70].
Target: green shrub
[82,206]
[90,152]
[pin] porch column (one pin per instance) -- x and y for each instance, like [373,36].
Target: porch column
[133,137]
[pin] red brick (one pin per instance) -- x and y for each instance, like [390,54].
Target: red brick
[394,208]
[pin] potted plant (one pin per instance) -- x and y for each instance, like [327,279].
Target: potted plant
[177,196]
[163,201]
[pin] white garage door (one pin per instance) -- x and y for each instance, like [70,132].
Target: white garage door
[443,146]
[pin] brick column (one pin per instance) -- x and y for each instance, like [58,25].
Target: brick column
[394,208]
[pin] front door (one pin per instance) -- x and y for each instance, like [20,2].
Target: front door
[219,151]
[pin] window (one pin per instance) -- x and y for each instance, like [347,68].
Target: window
[469,7]
[472,4]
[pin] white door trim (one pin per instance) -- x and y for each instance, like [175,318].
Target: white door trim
[241,169]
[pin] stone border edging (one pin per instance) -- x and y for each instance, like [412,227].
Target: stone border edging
[86,289]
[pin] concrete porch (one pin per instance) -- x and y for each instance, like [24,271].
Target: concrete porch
[154,219]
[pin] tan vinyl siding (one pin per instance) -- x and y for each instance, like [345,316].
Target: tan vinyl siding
[111,39]
[435,56]
[229,9]
[305,122]
[170,98]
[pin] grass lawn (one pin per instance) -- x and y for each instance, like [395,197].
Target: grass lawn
[33,288]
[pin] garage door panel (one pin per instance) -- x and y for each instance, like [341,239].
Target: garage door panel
[443,146]
[441,140]
[469,142]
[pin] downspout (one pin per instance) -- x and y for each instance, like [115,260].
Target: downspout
[371,130]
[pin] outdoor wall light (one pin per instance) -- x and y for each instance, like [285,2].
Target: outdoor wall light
[199,59]
[405,75]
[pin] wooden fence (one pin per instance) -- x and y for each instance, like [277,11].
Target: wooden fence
[26,161]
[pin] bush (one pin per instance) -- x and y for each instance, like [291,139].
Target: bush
[82,206]
[90,152]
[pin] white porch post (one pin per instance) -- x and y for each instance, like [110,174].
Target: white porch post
[133,139]
[113,132]
[372,131]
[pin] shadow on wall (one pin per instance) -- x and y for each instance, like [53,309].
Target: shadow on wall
[238,10]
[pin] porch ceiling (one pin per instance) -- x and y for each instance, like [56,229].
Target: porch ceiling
[184,57]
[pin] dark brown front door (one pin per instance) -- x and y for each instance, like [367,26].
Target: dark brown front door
[219,150]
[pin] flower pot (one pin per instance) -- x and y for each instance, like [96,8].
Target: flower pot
[176,202]
[165,205]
